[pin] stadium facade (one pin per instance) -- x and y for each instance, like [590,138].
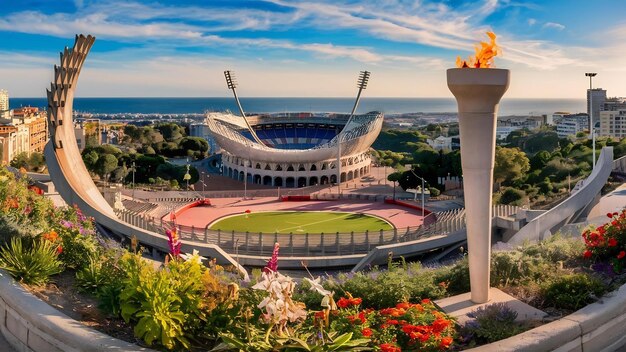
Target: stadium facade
[295,149]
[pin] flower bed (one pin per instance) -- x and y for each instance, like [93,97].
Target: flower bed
[185,303]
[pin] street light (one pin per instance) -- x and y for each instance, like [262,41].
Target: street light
[202,173]
[187,176]
[591,126]
[133,195]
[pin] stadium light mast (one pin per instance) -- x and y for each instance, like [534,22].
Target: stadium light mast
[231,82]
[364,77]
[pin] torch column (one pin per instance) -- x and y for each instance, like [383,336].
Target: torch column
[478,92]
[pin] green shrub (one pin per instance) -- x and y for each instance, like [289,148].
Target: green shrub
[434,192]
[31,263]
[573,291]
[455,276]
[386,288]
[491,323]
[77,237]
[512,196]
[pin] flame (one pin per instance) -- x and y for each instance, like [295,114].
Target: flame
[485,52]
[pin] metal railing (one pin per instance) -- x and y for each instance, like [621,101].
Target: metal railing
[308,244]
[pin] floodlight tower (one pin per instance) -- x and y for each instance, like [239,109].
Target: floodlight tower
[231,82]
[364,77]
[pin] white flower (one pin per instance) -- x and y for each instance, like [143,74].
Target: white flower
[317,286]
[195,256]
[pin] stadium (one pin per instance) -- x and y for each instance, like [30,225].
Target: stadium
[295,149]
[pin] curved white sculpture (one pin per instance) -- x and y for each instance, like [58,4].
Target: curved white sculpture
[66,167]
[478,93]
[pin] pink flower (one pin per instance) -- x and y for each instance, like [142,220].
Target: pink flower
[272,264]
[173,242]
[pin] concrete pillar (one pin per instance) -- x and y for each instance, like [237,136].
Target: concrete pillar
[478,93]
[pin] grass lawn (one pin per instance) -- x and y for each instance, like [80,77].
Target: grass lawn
[301,222]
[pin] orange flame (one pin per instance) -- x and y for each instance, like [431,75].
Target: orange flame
[485,53]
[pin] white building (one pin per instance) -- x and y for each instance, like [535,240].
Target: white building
[613,123]
[4,104]
[440,143]
[571,124]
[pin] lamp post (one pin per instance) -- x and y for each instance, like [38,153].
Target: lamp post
[187,176]
[591,125]
[202,173]
[133,169]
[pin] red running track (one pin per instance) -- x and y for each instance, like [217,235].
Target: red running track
[201,216]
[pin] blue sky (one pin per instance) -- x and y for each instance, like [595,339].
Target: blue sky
[311,48]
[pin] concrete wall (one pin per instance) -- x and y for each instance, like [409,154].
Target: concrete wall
[543,225]
[597,327]
[29,324]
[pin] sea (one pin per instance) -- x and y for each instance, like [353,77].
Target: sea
[389,106]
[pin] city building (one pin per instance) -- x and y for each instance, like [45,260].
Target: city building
[4,104]
[569,125]
[25,130]
[595,102]
[613,123]
[440,143]
[202,130]
[554,118]
[37,125]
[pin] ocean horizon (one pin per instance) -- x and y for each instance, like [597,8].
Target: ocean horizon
[197,105]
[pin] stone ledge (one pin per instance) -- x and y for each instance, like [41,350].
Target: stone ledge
[30,324]
[597,327]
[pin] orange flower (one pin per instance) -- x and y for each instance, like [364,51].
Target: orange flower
[59,249]
[388,347]
[367,332]
[445,342]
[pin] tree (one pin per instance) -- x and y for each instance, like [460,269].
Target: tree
[540,160]
[90,159]
[105,165]
[198,146]
[511,164]
[20,161]
[36,161]
[512,196]
[394,177]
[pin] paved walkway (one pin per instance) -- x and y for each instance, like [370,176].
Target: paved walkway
[612,202]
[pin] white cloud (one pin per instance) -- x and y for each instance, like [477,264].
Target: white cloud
[532,21]
[554,25]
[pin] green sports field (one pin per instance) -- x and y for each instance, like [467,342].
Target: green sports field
[301,222]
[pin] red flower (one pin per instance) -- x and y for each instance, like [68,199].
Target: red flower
[59,249]
[388,347]
[609,215]
[425,301]
[392,322]
[367,332]
[343,302]
[320,315]
[612,242]
[621,255]
[587,254]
